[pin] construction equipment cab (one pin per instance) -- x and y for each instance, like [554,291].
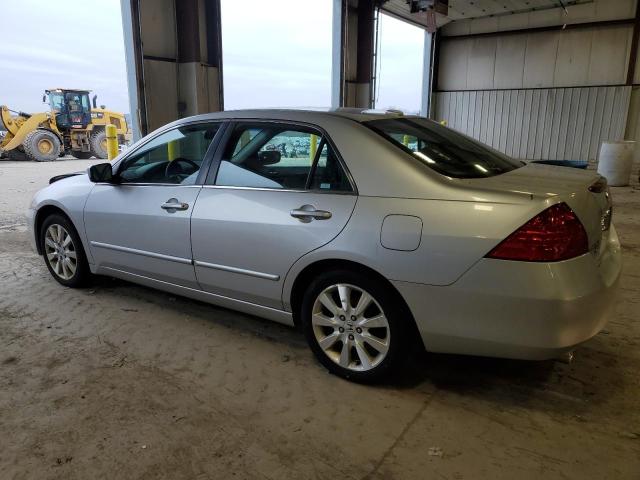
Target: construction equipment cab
[71,126]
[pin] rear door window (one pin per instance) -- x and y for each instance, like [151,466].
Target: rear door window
[277,156]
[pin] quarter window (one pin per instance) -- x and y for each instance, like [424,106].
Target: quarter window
[280,157]
[175,157]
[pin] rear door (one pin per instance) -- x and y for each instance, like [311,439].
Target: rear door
[279,191]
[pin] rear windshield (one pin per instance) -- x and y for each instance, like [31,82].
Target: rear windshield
[442,149]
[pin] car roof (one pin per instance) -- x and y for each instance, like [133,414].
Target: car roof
[356,114]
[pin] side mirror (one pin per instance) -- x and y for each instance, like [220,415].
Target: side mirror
[269,157]
[101,173]
[95,101]
[44,99]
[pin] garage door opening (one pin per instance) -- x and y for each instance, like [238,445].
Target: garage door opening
[278,55]
[399,66]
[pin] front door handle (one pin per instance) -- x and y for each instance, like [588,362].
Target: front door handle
[306,213]
[173,204]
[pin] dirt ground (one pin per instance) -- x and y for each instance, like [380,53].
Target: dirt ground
[123,382]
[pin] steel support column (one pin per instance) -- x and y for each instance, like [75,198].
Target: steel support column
[352,72]
[173,51]
[427,74]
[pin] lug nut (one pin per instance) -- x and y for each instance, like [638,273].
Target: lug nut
[342,317]
[350,337]
[341,330]
[353,318]
[359,330]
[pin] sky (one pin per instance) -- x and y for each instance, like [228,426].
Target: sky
[276,54]
[61,43]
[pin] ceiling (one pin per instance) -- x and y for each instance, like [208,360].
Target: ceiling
[468,9]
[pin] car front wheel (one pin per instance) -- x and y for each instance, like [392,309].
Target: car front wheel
[354,325]
[63,252]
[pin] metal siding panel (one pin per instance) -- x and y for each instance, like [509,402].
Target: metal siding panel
[464,123]
[484,123]
[548,123]
[585,152]
[535,107]
[597,125]
[542,113]
[581,113]
[513,104]
[571,123]
[477,119]
[526,123]
[495,142]
[564,123]
[607,115]
[491,118]
[472,113]
[555,124]
[519,119]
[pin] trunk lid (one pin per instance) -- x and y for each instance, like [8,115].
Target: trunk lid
[552,184]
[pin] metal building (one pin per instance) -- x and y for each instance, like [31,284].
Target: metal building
[543,79]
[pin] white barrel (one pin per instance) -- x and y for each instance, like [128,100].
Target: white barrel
[615,162]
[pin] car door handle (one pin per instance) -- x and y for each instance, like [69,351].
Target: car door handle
[173,204]
[307,212]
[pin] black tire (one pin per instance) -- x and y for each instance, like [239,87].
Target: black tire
[397,335]
[98,141]
[81,155]
[42,145]
[17,155]
[82,275]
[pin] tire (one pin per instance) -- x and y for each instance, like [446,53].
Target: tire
[98,142]
[53,236]
[81,155]
[42,145]
[17,155]
[375,349]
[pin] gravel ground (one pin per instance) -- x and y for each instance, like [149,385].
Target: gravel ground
[120,381]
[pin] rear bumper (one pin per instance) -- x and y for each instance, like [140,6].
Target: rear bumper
[519,310]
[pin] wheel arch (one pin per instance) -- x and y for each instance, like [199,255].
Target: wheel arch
[42,213]
[304,278]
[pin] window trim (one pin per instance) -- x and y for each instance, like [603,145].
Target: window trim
[206,160]
[229,129]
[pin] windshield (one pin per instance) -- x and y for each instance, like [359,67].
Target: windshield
[442,149]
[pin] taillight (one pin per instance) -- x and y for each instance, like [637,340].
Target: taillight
[553,235]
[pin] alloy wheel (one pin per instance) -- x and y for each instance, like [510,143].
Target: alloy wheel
[350,327]
[60,251]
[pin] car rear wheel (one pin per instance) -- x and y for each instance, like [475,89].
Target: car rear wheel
[354,326]
[63,252]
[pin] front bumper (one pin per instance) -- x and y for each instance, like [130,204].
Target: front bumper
[31,218]
[519,310]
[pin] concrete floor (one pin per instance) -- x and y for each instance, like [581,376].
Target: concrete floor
[119,381]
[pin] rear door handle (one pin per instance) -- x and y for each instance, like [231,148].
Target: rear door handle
[306,213]
[173,204]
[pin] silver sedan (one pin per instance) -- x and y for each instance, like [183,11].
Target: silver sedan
[374,232]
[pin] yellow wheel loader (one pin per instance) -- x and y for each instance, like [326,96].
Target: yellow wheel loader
[71,127]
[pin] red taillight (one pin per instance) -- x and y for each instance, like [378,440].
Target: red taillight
[553,235]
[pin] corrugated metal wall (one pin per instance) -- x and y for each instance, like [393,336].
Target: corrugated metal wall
[548,124]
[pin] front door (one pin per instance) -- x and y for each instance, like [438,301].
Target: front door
[280,192]
[141,225]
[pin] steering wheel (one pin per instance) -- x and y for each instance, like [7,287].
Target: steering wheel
[175,170]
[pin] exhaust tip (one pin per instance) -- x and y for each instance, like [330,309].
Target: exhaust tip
[565,358]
